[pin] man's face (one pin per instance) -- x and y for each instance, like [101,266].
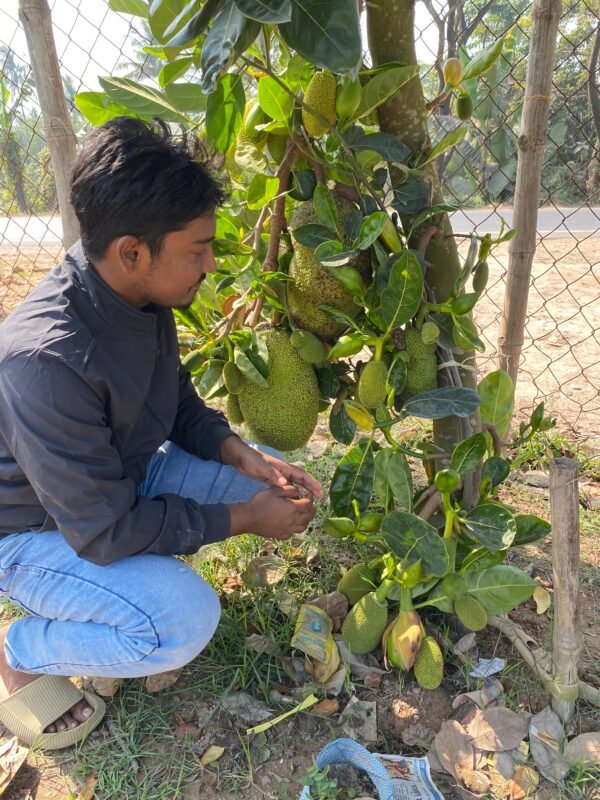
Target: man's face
[175,274]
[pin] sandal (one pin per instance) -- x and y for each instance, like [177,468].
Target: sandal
[29,711]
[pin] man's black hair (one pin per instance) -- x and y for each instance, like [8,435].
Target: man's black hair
[135,178]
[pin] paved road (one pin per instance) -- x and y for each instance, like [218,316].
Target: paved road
[554,222]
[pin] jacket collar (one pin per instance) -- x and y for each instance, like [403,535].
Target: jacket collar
[111,308]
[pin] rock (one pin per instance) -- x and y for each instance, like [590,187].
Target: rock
[583,749]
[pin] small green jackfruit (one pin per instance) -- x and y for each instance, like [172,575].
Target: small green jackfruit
[248,133]
[464,107]
[284,413]
[276,145]
[470,612]
[429,665]
[365,624]
[233,378]
[372,384]
[421,371]
[357,582]
[320,95]
[233,411]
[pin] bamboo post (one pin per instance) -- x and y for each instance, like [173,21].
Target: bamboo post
[60,136]
[532,141]
[566,637]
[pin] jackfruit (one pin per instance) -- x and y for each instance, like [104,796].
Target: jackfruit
[364,625]
[429,666]
[314,285]
[357,582]
[464,107]
[248,134]
[233,378]
[282,414]
[470,612]
[404,640]
[421,370]
[276,145]
[320,96]
[309,347]
[233,411]
[372,384]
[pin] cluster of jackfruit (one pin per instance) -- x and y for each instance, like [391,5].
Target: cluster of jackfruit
[282,414]
[313,284]
[421,369]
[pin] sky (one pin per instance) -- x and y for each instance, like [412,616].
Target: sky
[91,39]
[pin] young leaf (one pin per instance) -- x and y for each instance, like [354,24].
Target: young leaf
[170,72]
[353,480]
[136,7]
[274,100]
[224,111]
[350,279]
[409,536]
[496,470]
[140,99]
[484,60]
[98,108]
[401,299]
[449,140]
[261,191]
[497,395]
[266,11]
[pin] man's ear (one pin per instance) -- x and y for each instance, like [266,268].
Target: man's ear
[132,254]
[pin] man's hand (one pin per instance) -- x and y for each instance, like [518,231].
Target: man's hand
[274,513]
[264,467]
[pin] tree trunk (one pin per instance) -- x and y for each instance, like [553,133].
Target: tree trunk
[390,25]
[594,98]
[37,23]
[14,169]
[532,141]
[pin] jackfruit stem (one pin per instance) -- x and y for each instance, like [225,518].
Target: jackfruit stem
[383,591]
[450,515]
[379,349]
[406,603]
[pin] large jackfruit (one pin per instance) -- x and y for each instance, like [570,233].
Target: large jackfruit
[421,370]
[313,284]
[372,384]
[357,582]
[320,96]
[429,665]
[471,612]
[365,623]
[284,413]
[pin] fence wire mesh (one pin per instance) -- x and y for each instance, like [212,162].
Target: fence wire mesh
[560,360]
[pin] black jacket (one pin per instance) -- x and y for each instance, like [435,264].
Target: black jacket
[90,387]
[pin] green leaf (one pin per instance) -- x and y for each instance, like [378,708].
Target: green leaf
[400,480]
[492,525]
[530,529]
[324,206]
[261,191]
[480,557]
[329,383]
[497,395]
[381,485]
[248,369]
[140,99]
[170,72]
[274,100]
[350,278]
[211,379]
[341,426]
[401,299]
[347,345]
[468,454]
[446,143]
[382,86]
[432,211]
[466,335]
[168,16]
[327,34]
[224,112]
[386,145]
[409,536]
[353,480]
[266,11]
[338,316]
[484,60]
[496,470]
[500,589]
[411,196]
[334,254]
[313,234]
[186,97]
[184,29]
[439,403]
[136,7]
[98,108]
[370,229]
[226,29]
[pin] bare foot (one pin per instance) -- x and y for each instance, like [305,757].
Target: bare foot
[11,681]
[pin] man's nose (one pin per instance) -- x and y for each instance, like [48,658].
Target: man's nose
[211,264]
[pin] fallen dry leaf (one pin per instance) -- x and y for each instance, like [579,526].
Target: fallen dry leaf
[265,571]
[287,603]
[326,708]
[473,780]
[542,598]
[186,729]
[546,735]
[583,749]
[246,708]
[211,755]
[12,756]
[335,605]
[228,304]
[88,790]
[453,747]
[360,668]
[262,644]
[232,584]
[523,783]
[106,687]
[164,680]
[359,720]
[498,729]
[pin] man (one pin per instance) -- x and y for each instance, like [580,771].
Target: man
[110,463]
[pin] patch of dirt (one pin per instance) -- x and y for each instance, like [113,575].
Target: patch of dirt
[410,713]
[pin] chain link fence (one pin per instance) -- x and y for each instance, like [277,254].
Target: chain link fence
[560,361]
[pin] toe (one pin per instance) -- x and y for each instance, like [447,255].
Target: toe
[70,720]
[82,711]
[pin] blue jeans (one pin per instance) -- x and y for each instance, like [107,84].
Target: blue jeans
[138,616]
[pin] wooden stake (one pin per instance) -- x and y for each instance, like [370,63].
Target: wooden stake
[532,141]
[566,638]
[60,136]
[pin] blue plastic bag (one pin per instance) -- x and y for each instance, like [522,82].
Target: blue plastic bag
[347,751]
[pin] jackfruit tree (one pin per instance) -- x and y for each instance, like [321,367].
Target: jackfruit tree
[341,290]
